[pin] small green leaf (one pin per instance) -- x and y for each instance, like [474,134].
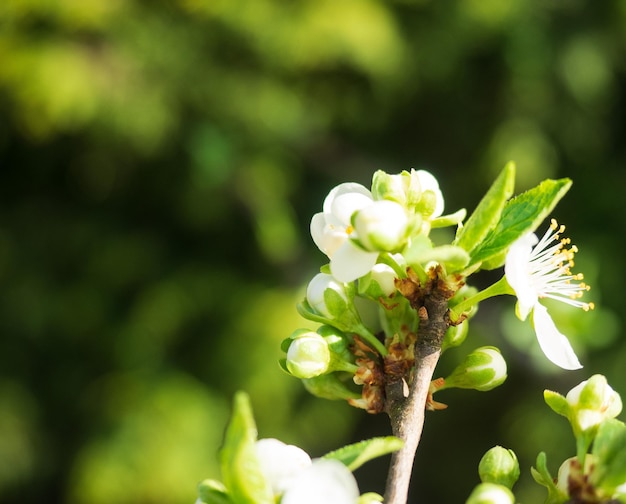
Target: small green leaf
[355,455]
[520,215]
[542,476]
[488,211]
[240,467]
[213,492]
[609,447]
[557,402]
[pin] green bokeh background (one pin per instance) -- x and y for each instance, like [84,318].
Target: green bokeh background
[160,162]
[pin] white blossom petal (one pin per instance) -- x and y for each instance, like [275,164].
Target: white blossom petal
[324,482]
[345,188]
[555,345]
[428,182]
[281,463]
[350,262]
[344,205]
[517,275]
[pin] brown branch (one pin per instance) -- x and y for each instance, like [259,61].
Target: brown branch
[406,405]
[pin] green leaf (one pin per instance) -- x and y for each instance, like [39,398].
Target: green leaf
[488,211]
[557,402]
[542,476]
[355,455]
[213,492]
[240,467]
[520,215]
[609,447]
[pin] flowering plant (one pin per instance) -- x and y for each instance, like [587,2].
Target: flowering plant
[383,258]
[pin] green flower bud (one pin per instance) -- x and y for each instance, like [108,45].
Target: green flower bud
[379,282]
[483,369]
[491,493]
[500,466]
[455,335]
[591,402]
[327,296]
[308,355]
[329,386]
[381,226]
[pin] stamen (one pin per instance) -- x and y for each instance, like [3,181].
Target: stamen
[549,269]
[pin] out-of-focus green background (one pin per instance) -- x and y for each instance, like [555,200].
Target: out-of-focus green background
[160,162]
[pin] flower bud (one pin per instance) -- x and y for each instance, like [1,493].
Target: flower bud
[500,466]
[403,188]
[491,493]
[381,226]
[455,335]
[308,355]
[329,304]
[483,369]
[591,402]
[379,282]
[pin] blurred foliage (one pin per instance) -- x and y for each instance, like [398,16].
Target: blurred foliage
[160,163]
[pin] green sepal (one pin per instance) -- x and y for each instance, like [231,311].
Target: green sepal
[283,365]
[355,455]
[488,212]
[329,386]
[520,215]
[213,492]
[609,447]
[542,476]
[557,402]
[453,219]
[240,466]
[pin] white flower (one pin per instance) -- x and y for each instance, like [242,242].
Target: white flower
[299,480]
[332,231]
[544,272]
[280,462]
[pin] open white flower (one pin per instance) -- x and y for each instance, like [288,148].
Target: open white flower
[299,480]
[331,231]
[537,269]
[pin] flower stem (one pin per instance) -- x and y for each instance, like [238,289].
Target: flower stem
[370,338]
[497,289]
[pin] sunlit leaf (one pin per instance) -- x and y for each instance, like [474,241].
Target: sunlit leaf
[355,455]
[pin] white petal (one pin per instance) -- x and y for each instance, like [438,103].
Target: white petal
[351,262]
[428,182]
[325,482]
[327,237]
[281,463]
[555,346]
[517,274]
[344,205]
[345,188]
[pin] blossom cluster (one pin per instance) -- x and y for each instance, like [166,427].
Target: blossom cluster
[383,260]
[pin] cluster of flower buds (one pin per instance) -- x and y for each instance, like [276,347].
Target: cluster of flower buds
[598,471]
